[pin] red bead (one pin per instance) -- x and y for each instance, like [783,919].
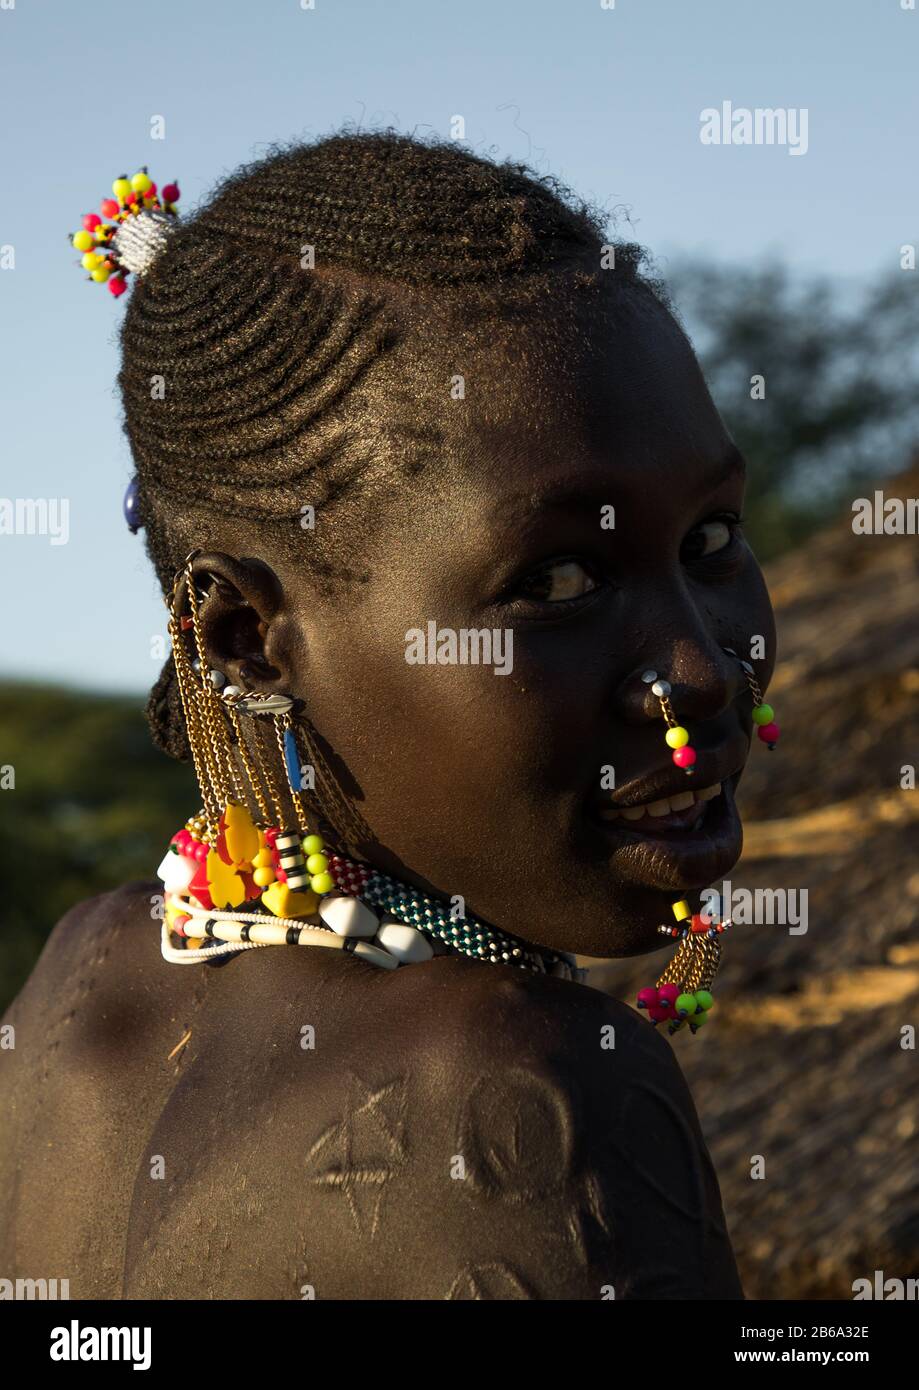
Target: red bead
[108,207]
[280,875]
[768,733]
[201,853]
[668,994]
[171,192]
[271,835]
[685,756]
[116,286]
[91,221]
[699,924]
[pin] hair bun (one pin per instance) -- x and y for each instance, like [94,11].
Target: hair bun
[140,222]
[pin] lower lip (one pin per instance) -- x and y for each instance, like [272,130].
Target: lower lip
[678,860]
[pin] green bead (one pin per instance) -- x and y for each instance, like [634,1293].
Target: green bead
[686,1004]
[763,714]
[317,864]
[322,883]
[696,1020]
[313,844]
[704,999]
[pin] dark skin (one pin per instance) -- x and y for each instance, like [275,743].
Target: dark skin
[459,1130]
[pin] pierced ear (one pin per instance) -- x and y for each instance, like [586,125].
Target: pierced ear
[238,600]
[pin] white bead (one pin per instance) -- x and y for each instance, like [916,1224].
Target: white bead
[230,690]
[660,688]
[177,872]
[348,916]
[376,957]
[217,679]
[649,676]
[404,942]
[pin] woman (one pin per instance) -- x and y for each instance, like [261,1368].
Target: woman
[380,394]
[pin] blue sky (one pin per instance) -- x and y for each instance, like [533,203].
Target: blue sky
[607,99]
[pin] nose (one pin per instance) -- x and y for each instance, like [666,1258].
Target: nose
[704,681]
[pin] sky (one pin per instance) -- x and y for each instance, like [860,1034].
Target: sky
[607,96]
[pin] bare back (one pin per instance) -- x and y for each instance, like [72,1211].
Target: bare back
[296,1123]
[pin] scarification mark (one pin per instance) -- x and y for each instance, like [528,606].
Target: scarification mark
[488,1280]
[373,1119]
[518,1134]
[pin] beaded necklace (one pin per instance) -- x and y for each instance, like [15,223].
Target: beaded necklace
[364,911]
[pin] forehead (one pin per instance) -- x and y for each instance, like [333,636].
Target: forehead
[605,395]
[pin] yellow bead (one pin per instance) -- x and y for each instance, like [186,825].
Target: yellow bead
[194,943]
[101,274]
[313,844]
[84,241]
[677,738]
[322,883]
[263,860]
[264,876]
[90,260]
[121,188]
[682,910]
[141,182]
[316,864]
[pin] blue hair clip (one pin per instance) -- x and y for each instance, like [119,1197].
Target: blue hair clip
[131,506]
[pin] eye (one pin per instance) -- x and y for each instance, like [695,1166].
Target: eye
[708,538]
[558,581]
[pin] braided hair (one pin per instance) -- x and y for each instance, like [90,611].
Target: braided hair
[269,307]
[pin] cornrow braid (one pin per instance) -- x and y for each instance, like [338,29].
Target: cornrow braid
[240,354]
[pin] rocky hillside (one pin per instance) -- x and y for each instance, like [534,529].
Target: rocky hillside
[804,1064]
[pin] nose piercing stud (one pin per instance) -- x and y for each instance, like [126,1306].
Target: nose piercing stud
[676,737]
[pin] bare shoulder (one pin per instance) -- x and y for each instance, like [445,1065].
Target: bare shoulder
[481,1133]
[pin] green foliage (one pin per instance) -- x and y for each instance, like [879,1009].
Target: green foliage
[94,805]
[841,406]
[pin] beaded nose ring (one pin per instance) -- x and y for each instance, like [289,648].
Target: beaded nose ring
[682,994]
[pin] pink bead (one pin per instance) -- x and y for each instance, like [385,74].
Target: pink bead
[658,1013]
[769,733]
[171,192]
[685,756]
[668,993]
[647,997]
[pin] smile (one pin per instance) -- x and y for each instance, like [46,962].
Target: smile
[685,810]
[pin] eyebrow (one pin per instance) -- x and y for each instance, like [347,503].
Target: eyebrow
[563,495]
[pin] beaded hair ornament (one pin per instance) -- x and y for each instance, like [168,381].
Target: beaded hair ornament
[132,231]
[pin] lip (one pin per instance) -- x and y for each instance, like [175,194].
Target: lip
[672,859]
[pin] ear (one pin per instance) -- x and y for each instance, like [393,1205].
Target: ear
[242,608]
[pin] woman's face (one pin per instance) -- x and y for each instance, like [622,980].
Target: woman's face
[580,512]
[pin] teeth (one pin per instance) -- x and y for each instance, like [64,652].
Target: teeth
[681,801]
